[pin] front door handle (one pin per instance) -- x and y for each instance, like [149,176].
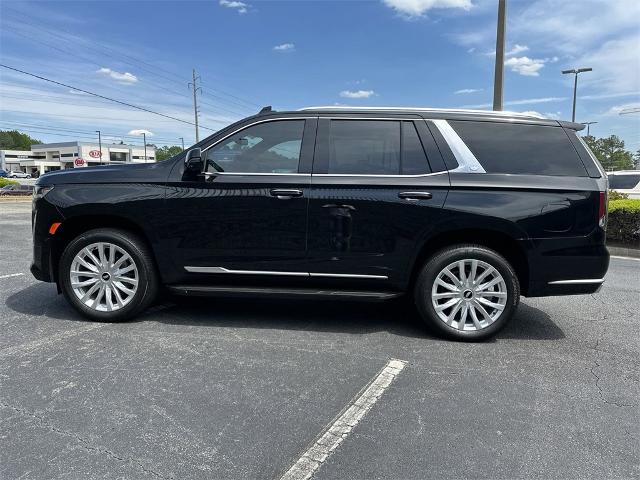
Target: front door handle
[415,195]
[285,193]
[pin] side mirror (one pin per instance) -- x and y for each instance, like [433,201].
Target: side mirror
[193,162]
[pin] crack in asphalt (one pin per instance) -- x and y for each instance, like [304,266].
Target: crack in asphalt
[83,442]
[601,392]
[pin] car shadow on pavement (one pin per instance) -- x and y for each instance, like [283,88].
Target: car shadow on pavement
[396,317]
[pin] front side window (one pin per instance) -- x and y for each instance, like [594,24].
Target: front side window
[270,147]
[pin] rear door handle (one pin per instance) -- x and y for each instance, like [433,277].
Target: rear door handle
[285,193]
[415,195]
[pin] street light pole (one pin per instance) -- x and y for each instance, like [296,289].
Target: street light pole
[100,145]
[182,140]
[144,139]
[588,124]
[498,78]
[575,72]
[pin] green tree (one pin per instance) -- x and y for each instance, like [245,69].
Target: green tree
[636,160]
[165,152]
[611,152]
[14,140]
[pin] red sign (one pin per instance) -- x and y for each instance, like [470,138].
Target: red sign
[79,162]
[95,153]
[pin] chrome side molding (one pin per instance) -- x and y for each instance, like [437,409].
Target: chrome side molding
[580,281]
[286,274]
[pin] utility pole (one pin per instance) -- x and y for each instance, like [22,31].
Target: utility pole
[498,78]
[182,140]
[100,145]
[195,89]
[588,124]
[144,139]
[575,71]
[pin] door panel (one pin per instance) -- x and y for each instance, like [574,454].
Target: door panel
[371,225]
[246,222]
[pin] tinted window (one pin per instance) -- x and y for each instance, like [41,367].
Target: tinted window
[270,147]
[520,149]
[624,181]
[414,160]
[367,147]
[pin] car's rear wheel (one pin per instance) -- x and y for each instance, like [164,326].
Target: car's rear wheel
[108,275]
[467,292]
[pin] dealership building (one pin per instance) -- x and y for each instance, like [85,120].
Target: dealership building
[59,156]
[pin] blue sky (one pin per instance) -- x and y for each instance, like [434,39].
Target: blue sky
[432,53]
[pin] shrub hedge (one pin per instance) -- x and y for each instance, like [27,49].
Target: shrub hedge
[624,221]
[5,181]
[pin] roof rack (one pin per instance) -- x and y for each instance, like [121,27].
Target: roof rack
[429,110]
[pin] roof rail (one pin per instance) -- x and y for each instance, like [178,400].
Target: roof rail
[426,110]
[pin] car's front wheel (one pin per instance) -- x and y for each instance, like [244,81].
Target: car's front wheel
[467,292]
[108,275]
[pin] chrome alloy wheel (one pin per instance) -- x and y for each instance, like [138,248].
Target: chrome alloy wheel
[469,295]
[104,277]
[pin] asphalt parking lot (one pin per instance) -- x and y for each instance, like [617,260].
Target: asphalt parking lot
[237,389]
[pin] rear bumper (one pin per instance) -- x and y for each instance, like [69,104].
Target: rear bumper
[567,266]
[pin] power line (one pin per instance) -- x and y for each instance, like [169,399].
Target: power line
[98,95]
[119,58]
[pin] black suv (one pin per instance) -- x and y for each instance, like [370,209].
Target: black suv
[464,211]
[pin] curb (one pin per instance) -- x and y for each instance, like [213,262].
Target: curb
[624,252]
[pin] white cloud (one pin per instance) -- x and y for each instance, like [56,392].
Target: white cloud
[125,78]
[467,90]
[285,47]
[617,109]
[525,65]
[140,131]
[241,7]
[517,49]
[357,93]
[416,8]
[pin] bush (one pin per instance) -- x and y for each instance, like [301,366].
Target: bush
[614,195]
[624,221]
[5,181]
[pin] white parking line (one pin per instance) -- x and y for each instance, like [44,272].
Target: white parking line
[333,435]
[11,275]
[46,341]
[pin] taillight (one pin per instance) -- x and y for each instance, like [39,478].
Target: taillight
[602,210]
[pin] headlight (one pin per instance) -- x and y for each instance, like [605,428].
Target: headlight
[40,191]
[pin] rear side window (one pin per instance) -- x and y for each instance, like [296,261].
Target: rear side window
[625,182]
[375,147]
[520,149]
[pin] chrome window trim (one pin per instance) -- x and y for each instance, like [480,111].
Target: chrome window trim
[577,282]
[277,273]
[467,161]
[250,174]
[378,176]
[273,119]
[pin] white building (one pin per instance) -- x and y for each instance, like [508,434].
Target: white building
[59,156]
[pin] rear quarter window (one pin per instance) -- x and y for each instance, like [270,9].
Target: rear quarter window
[523,149]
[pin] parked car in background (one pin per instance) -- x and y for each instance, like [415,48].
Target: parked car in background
[19,174]
[625,181]
[16,190]
[3,173]
[461,211]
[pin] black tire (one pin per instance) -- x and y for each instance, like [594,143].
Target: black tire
[432,268]
[137,250]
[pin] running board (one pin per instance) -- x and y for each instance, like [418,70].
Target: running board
[207,291]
